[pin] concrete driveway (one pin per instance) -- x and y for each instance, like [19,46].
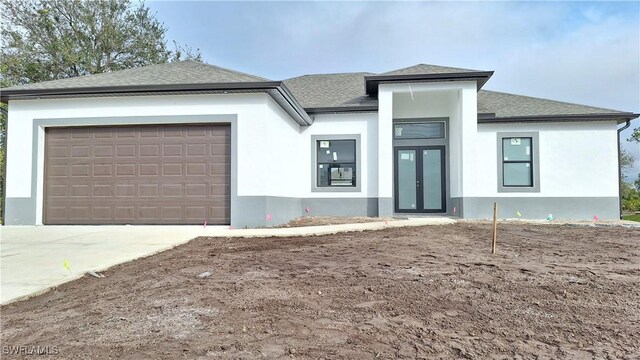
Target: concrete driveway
[32,257]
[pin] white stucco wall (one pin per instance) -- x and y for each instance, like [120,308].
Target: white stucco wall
[455,100]
[364,124]
[267,154]
[274,154]
[261,127]
[576,160]
[423,104]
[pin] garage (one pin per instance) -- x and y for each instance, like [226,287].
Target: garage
[147,174]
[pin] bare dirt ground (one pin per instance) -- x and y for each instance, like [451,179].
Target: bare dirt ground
[551,291]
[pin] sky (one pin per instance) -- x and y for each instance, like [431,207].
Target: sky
[578,51]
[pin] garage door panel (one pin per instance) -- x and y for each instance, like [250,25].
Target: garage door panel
[151,150]
[174,169]
[102,170]
[103,151]
[128,169]
[120,175]
[219,149]
[172,150]
[79,190]
[101,213]
[81,133]
[150,132]
[172,190]
[125,132]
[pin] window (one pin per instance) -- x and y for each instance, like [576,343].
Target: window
[424,130]
[336,163]
[518,169]
[517,164]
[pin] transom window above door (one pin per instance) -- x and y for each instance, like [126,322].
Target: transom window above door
[419,130]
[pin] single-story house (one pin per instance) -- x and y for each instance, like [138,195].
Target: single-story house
[189,143]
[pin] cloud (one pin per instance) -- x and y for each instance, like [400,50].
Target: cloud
[582,52]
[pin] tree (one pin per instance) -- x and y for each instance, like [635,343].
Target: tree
[630,198]
[635,136]
[626,160]
[54,39]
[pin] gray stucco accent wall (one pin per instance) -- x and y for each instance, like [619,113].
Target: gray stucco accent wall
[261,211]
[540,207]
[20,211]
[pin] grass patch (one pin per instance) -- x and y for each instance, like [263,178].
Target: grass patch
[635,217]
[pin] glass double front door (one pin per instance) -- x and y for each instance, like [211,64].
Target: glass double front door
[419,179]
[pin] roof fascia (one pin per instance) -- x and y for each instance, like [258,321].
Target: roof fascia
[372,82]
[491,117]
[621,117]
[275,89]
[341,109]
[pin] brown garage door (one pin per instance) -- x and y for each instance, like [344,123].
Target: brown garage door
[165,174]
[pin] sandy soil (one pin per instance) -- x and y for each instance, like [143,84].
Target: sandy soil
[564,292]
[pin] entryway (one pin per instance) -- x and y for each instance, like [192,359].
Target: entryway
[420,179]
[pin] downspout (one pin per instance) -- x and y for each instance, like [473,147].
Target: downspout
[620,167]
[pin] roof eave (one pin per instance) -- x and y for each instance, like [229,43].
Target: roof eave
[341,109]
[620,117]
[276,89]
[372,82]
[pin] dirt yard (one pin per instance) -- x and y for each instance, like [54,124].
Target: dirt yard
[431,292]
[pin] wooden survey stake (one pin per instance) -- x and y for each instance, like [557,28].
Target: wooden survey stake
[495,227]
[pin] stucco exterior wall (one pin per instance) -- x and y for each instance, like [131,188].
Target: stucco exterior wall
[272,156]
[578,165]
[364,125]
[258,129]
[456,101]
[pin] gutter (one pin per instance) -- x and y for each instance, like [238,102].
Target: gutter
[275,89]
[491,118]
[559,118]
[341,109]
[295,105]
[628,123]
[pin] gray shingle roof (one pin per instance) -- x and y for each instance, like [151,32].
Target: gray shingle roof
[345,90]
[330,90]
[183,72]
[427,69]
[510,105]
